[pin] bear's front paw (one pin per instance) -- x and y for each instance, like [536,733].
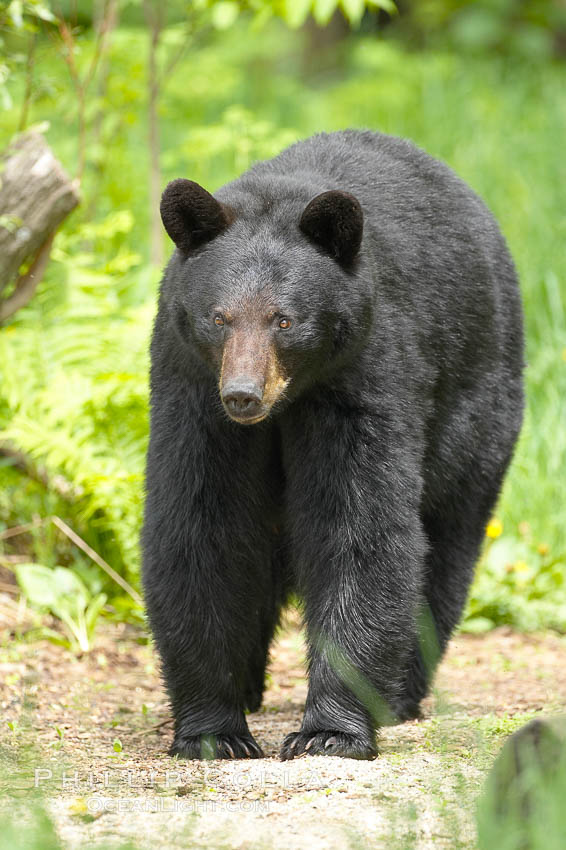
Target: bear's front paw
[221,746]
[328,743]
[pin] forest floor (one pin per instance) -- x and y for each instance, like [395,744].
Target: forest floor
[87,736]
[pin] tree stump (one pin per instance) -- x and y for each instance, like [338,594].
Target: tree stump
[36,195]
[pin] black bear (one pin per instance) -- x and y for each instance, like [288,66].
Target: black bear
[336,390]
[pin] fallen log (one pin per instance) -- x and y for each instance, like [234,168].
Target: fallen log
[36,195]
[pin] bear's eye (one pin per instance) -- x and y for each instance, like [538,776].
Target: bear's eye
[284,323]
[219,320]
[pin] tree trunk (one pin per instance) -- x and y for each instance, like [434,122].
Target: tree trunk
[35,196]
[155,19]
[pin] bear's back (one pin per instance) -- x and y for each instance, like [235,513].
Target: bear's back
[372,166]
[429,231]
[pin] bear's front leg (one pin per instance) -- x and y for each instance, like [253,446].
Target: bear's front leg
[353,494]
[206,569]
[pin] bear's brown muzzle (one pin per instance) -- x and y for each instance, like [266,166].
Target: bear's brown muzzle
[251,377]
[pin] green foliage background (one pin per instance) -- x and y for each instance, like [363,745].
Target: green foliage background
[73,364]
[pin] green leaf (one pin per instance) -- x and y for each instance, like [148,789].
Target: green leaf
[15,11]
[388,6]
[38,584]
[75,628]
[224,14]
[45,633]
[323,10]
[477,625]
[353,10]
[66,596]
[40,10]
[93,610]
[70,586]
[295,12]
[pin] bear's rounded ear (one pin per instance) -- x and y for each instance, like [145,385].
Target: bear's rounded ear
[191,216]
[335,221]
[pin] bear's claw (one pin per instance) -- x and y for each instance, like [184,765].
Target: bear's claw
[327,743]
[219,746]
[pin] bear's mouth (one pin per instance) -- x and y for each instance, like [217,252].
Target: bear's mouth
[249,420]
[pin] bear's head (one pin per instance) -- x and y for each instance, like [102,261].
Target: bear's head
[269,288]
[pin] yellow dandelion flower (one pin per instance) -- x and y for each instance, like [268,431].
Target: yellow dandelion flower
[521,566]
[494,528]
[542,549]
[79,807]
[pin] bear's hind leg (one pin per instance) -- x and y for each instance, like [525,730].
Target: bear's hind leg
[454,545]
[255,685]
[271,614]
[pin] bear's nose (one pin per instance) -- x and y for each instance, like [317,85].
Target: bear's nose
[242,399]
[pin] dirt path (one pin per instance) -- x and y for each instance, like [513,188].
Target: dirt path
[92,734]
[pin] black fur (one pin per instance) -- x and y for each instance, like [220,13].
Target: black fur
[335,221]
[190,214]
[368,487]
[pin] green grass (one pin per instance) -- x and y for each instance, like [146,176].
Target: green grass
[80,346]
[33,829]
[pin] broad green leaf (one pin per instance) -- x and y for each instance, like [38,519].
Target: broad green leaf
[477,625]
[66,596]
[38,584]
[295,12]
[353,10]
[323,10]
[388,6]
[69,586]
